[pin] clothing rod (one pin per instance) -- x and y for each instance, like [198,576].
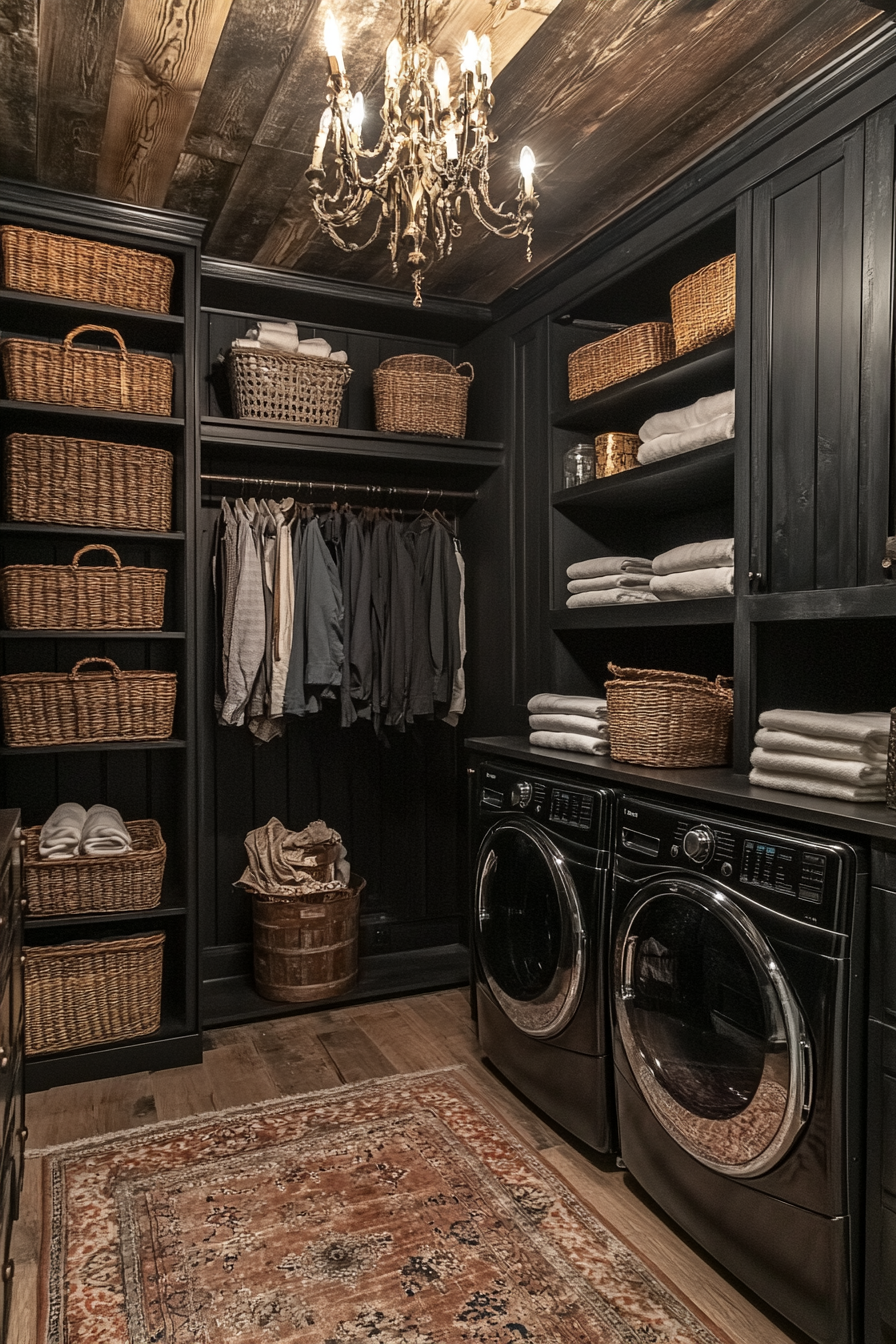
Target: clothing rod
[436,492]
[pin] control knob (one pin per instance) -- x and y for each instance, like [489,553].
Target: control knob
[521,793]
[699,844]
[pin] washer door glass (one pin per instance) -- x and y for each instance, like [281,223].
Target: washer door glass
[530,934]
[713,1034]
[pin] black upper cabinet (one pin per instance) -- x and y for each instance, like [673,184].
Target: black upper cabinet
[812,470]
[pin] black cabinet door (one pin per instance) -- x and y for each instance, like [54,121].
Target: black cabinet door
[809,472]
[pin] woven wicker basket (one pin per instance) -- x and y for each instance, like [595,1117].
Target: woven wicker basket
[92,993]
[620,356]
[703,305]
[277,385]
[421,394]
[67,597]
[64,374]
[87,483]
[615,452]
[668,719]
[77,268]
[96,884]
[45,709]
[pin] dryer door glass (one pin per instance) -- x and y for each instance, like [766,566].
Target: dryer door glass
[712,1032]
[530,934]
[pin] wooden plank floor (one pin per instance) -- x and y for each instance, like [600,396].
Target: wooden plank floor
[291,1055]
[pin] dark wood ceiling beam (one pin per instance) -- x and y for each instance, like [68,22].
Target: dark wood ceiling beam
[77,60]
[281,149]
[18,87]
[636,144]
[255,48]
[165,48]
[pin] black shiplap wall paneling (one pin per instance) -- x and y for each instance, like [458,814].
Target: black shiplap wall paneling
[877,481]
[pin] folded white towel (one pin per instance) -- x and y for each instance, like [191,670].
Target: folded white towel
[246,343]
[602,565]
[843,772]
[869,728]
[688,417]
[818,788]
[640,580]
[60,834]
[686,440]
[339,356]
[695,583]
[590,746]
[546,702]
[272,327]
[834,749]
[569,723]
[695,555]
[105,832]
[612,597]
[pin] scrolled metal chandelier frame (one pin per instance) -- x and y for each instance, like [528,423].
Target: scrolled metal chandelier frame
[432,152]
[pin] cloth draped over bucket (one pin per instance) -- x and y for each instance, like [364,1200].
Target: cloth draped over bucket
[283,862]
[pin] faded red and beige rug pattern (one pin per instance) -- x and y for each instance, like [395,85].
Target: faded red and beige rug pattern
[399,1211]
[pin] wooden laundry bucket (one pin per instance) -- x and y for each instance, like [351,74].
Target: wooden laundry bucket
[307,949]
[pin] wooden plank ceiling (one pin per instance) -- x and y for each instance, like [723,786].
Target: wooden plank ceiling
[211,106]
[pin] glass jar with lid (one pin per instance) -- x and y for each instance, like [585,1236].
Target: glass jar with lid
[578,464]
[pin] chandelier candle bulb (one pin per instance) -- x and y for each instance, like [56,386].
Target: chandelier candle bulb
[441,77]
[469,53]
[485,59]
[394,57]
[527,168]
[333,43]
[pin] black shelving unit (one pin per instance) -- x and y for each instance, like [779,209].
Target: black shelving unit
[141,778]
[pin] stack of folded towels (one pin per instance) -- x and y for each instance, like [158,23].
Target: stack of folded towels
[709,420]
[700,569]
[569,723]
[72,830]
[284,336]
[827,755]
[610,580]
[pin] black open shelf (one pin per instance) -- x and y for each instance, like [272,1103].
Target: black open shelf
[171,1046]
[35,922]
[90,423]
[234,999]
[137,744]
[105,635]
[237,435]
[675,383]
[47,315]
[821,604]
[71,530]
[697,611]
[670,486]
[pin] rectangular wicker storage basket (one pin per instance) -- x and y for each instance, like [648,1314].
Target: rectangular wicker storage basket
[45,709]
[703,305]
[78,268]
[668,719]
[86,482]
[67,597]
[92,993]
[421,394]
[65,374]
[620,356]
[278,385]
[615,452]
[96,884]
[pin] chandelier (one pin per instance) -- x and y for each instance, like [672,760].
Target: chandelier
[432,152]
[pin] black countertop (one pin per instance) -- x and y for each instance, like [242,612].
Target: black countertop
[719,786]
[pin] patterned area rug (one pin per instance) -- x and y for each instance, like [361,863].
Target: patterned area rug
[399,1211]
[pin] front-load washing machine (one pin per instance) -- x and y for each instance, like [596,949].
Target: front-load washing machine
[540,927]
[738,955]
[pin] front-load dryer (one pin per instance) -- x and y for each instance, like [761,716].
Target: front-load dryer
[540,926]
[738,955]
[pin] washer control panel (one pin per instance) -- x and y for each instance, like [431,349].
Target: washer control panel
[549,801]
[799,876]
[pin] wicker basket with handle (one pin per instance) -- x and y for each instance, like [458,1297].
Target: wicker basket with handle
[92,993]
[421,394]
[280,385]
[95,884]
[703,305]
[66,374]
[45,709]
[81,268]
[86,482]
[615,452]
[668,719]
[67,597]
[622,355]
